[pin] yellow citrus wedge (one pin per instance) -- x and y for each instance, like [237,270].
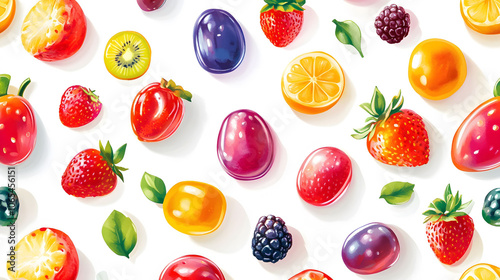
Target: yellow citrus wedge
[482,16]
[312,83]
[482,271]
[7,11]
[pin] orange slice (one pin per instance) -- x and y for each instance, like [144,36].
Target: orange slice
[482,271]
[40,255]
[43,25]
[482,16]
[7,11]
[312,83]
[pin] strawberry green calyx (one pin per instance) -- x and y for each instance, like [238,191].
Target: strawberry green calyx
[91,94]
[176,89]
[379,113]
[5,81]
[496,89]
[446,210]
[283,5]
[113,158]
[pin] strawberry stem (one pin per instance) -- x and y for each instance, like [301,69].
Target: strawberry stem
[113,158]
[91,93]
[446,210]
[176,89]
[379,113]
[283,5]
[23,87]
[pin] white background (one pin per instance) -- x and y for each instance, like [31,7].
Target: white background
[190,154]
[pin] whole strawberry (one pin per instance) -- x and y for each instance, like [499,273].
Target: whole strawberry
[395,136]
[281,20]
[449,230]
[93,173]
[79,106]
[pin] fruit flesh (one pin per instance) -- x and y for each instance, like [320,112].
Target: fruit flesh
[45,254]
[194,208]
[482,271]
[54,29]
[127,55]
[7,12]
[313,83]
[482,16]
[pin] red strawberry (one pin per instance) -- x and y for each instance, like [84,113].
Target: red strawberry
[93,173]
[281,20]
[449,231]
[79,106]
[395,136]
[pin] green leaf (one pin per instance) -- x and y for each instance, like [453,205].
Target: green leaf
[368,109]
[447,193]
[429,213]
[120,234]
[378,102]
[348,33]
[397,192]
[4,84]
[301,2]
[119,154]
[465,205]
[153,188]
[266,8]
[363,135]
[496,89]
[440,205]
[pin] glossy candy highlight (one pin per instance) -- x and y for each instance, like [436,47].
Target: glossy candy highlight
[194,208]
[370,249]
[491,207]
[219,42]
[245,146]
[324,176]
[192,267]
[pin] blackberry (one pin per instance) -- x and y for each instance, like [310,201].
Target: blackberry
[271,239]
[393,24]
[491,207]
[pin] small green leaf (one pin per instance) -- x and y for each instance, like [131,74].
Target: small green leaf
[153,188]
[348,33]
[368,109]
[429,212]
[4,84]
[440,205]
[397,192]
[496,89]
[23,86]
[378,102]
[119,233]
[363,135]
[119,154]
[447,193]
[465,205]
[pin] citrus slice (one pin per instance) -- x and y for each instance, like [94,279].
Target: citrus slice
[312,83]
[7,11]
[482,16]
[44,254]
[482,271]
[127,55]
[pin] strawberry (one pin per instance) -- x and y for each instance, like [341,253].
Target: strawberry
[79,106]
[281,20]
[395,136]
[449,230]
[93,173]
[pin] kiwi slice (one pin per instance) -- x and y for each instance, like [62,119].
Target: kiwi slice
[127,55]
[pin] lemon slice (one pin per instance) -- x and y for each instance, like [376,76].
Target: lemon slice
[312,83]
[482,16]
[481,271]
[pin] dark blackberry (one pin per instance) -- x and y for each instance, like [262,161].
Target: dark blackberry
[393,24]
[271,239]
